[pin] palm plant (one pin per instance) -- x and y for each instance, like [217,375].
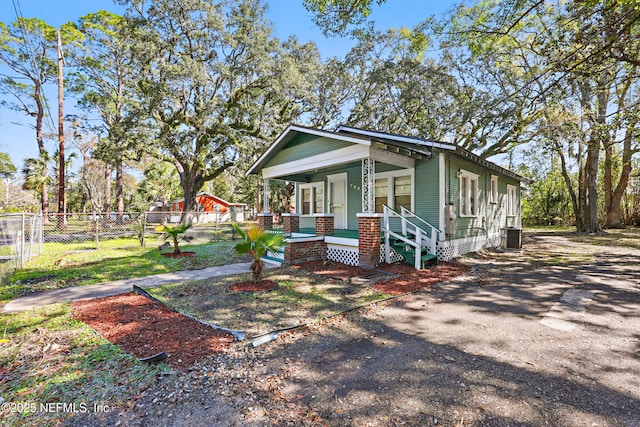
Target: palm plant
[160,182]
[174,232]
[35,173]
[256,242]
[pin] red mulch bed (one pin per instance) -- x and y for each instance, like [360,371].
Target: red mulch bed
[333,269]
[249,286]
[143,328]
[178,255]
[409,279]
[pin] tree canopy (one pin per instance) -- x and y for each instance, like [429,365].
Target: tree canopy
[338,17]
[27,48]
[203,86]
[7,168]
[104,79]
[212,81]
[563,75]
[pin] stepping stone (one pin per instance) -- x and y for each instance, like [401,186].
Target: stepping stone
[572,305]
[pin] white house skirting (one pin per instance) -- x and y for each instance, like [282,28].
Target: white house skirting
[447,250]
[343,254]
[450,249]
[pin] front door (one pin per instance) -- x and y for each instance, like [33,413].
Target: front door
[338,199]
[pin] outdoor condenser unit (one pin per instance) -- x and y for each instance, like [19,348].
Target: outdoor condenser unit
[514,238]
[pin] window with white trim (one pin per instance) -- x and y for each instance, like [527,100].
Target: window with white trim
[394,189]
[382,193]
[311,198]
[511,200]
[493,194]
[402,192]
[468,193]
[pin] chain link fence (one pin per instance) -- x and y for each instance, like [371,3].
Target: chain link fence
[85,227]
[97,227]
[21,239]
[22,236]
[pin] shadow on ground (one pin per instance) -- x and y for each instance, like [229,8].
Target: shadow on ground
[474,351]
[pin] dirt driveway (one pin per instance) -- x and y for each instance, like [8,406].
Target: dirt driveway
[548,336]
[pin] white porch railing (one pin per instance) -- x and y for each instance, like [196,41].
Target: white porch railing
[411,234]
[406,213]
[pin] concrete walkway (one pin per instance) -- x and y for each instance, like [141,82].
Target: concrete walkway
[100,290]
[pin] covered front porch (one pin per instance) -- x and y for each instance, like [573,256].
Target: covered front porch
[338,234]
[375,240]
[335,197]
[323,242]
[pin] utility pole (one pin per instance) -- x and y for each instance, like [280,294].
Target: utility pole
[61,173]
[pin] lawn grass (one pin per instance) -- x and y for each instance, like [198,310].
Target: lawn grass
[627,237]
[46,356]
[76,264]
[590,245]
[301,297]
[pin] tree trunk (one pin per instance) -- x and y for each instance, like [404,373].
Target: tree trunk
[61,165]
[581,214]
[614,196]
[119,192]
[44,199]
[607,174]
[191,183]
[176,248]
[107,188]
[44,194]
[614,209]
[572,193]
[599,139]
[591,184]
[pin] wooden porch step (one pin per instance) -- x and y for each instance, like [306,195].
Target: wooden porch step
[431,258]
[408,253]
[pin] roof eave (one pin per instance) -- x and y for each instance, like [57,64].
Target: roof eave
[399,138]
[257,165]
[488,164]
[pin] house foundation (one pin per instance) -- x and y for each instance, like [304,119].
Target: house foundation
[305,249]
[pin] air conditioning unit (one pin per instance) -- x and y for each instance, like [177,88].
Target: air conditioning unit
[514,238]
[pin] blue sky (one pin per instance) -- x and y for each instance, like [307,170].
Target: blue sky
[288,17]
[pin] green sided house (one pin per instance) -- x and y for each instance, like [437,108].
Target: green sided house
[363,197]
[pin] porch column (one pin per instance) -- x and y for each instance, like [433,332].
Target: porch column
[368,185]
[442,179]
[324,224]
[265,221]
[369,239]
[290,223]
[266,208]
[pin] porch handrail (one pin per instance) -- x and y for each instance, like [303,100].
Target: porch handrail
[406,222]
[420,234]
[406,213]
